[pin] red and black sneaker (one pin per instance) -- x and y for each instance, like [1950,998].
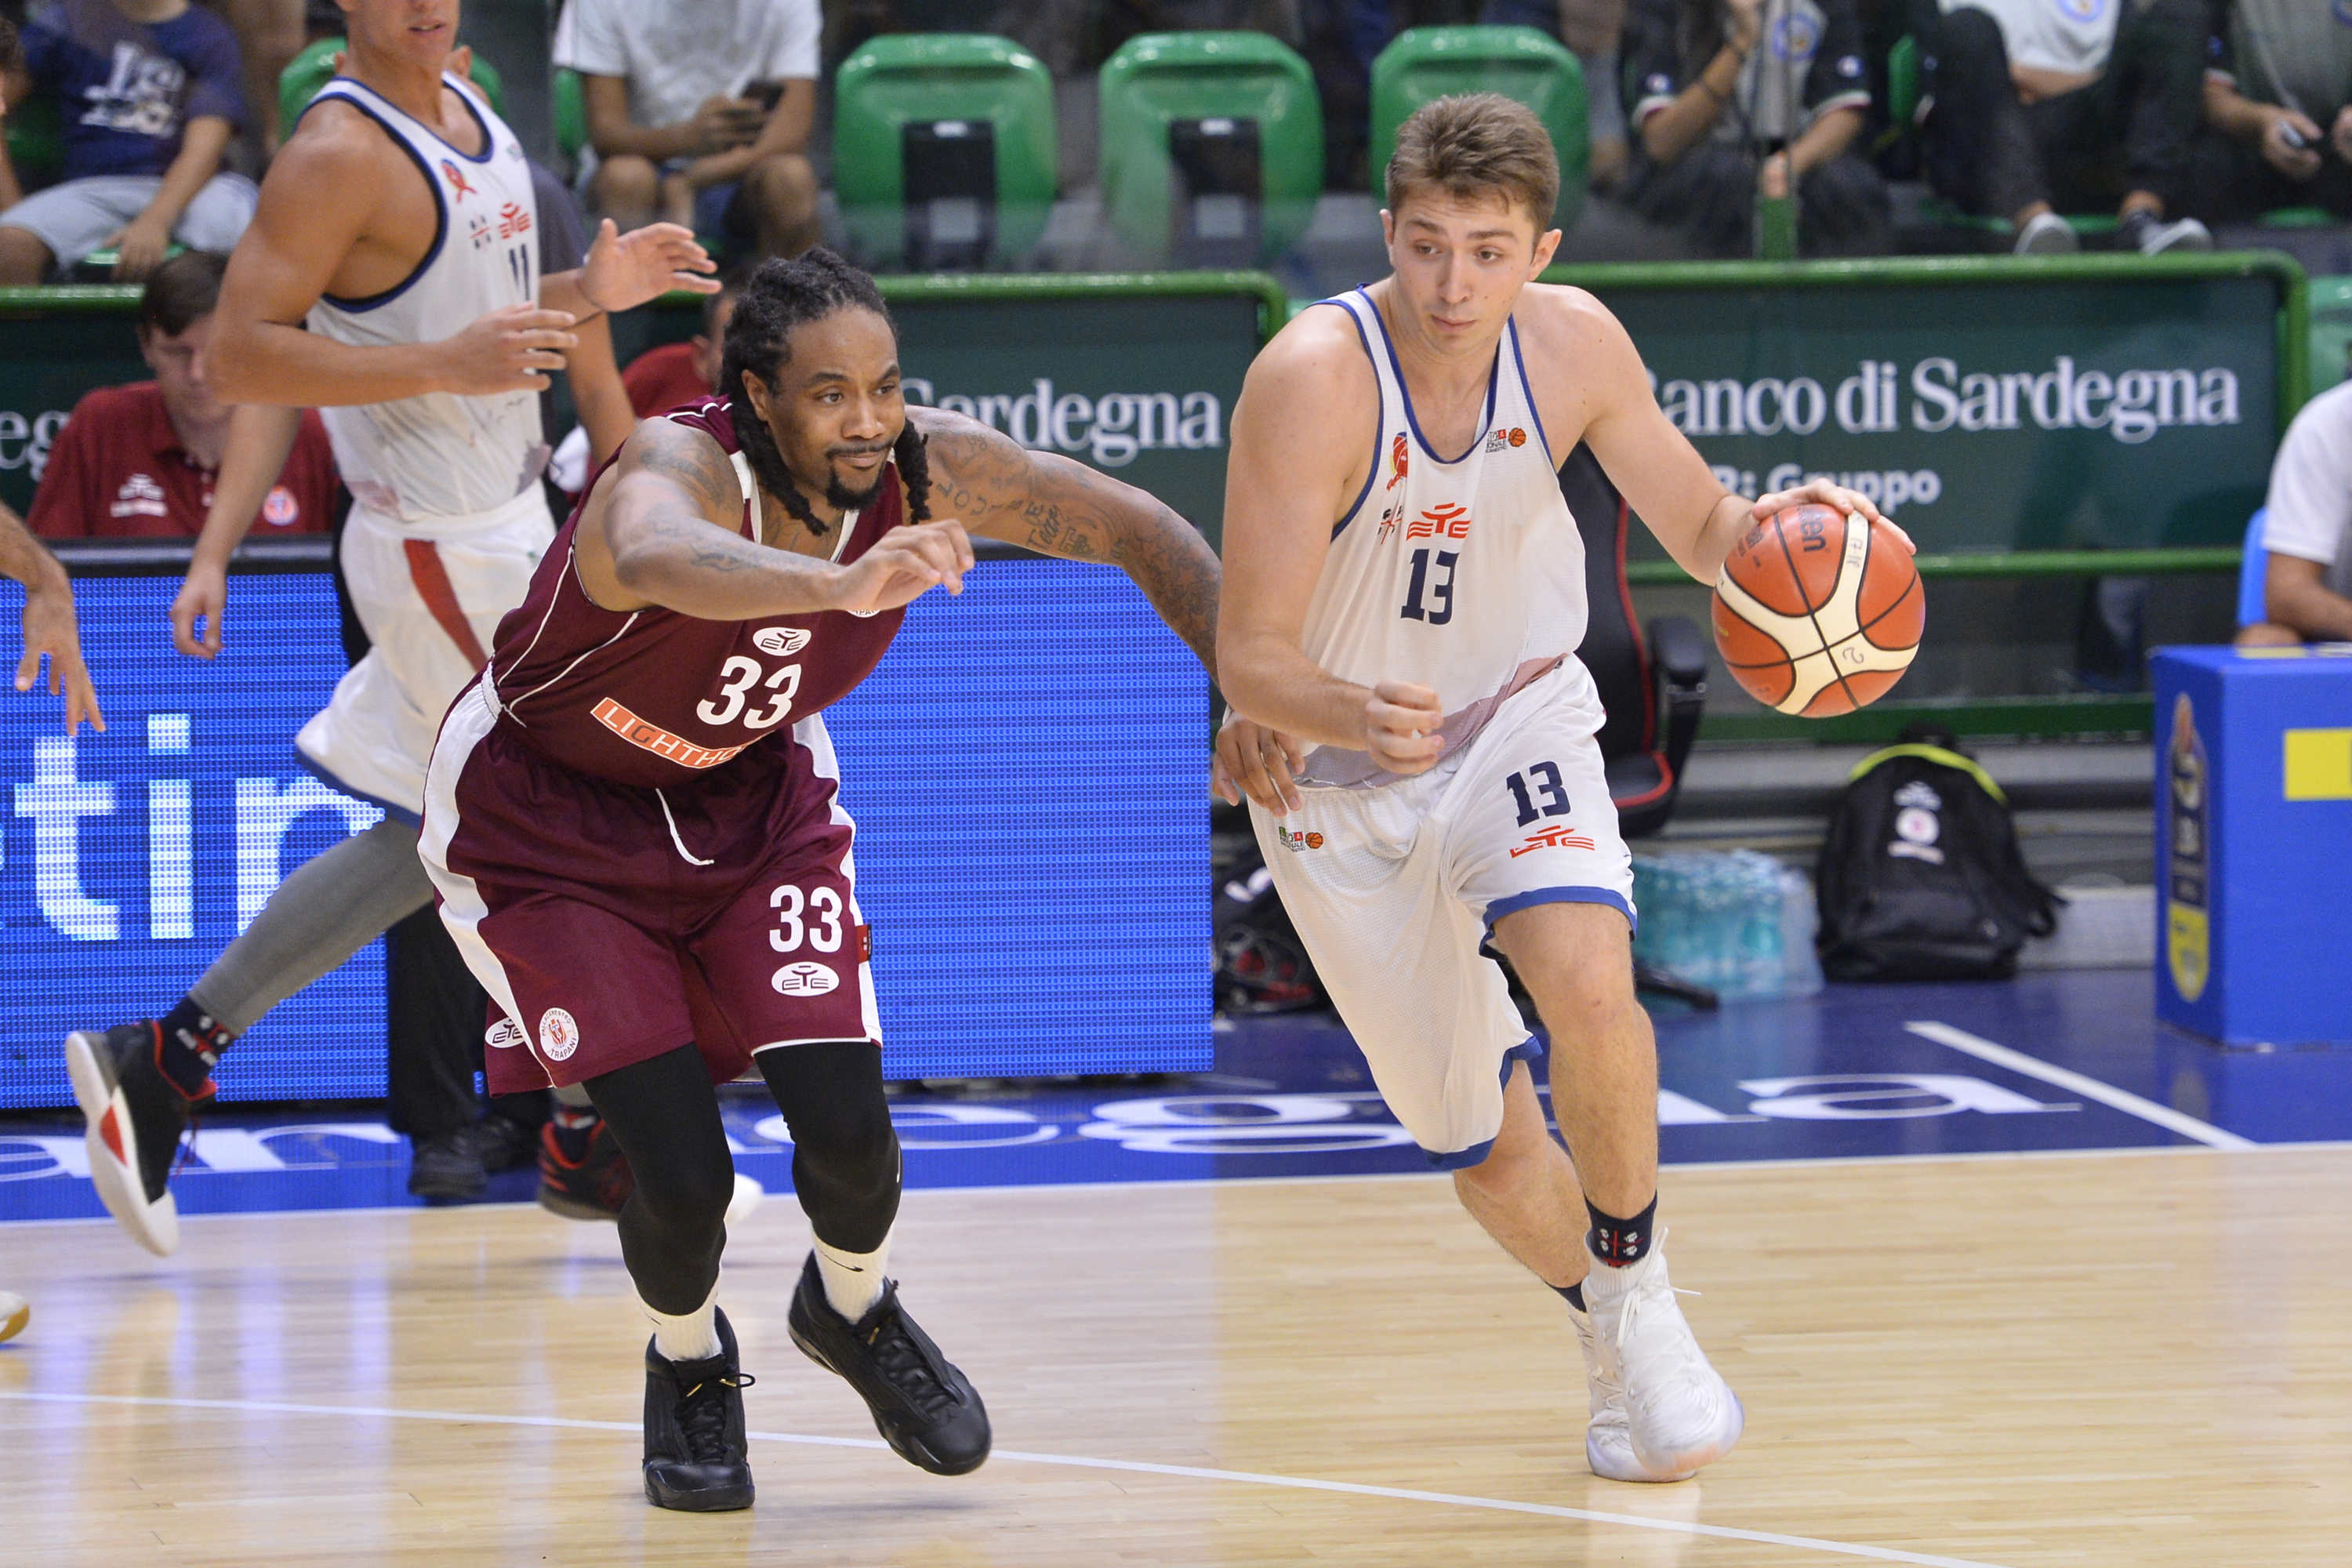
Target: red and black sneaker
[136,1116]
[582,1175]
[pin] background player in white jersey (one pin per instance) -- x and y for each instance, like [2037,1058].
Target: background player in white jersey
[399,223]
[1400,615]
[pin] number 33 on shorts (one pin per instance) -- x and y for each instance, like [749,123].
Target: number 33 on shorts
[814,925]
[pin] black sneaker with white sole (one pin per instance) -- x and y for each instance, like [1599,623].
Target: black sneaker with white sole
[135,1116]
[924,1407]
[695,1457]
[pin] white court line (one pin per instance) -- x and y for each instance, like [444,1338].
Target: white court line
[2107,1094]
[1131,1466]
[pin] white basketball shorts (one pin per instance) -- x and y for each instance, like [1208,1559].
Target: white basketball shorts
[1393,888]
[431,596]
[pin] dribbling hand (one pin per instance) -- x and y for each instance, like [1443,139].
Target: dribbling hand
[1253,759]
[1821,493]
[909,561]
[510,350]
[1400,727]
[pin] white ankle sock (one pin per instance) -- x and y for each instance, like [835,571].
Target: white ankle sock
[853,1281]
[688,1336]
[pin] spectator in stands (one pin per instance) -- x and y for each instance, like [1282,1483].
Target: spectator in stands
[140,460]
[700,112]
[150,92]
[657,381]
[1738,97]
[2040,104]
[270,34]
[1591,30]
[2278,106]
[2307,582]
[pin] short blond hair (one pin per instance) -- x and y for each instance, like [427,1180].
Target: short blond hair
[1476,144]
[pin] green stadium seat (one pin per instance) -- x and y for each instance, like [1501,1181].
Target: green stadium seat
[2331,331]
[1423,63]
[37,147]
[309,71]
[943,149]
[568,109]
[1212,146]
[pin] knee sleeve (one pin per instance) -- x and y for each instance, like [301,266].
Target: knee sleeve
[666,1119]
[846,1163]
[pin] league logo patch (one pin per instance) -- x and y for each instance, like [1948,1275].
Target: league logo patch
[559,1037]
[782,641]
[803,979]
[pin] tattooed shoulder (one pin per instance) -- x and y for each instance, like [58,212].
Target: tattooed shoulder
[690,460]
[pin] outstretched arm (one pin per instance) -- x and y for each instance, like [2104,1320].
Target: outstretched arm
[1048,503]
[665,529]
[49,627]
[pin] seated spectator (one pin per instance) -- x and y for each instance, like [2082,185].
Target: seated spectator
[1591,30]
[2307,591]
[1740,96]
[149,94]
[140,460]
[658,380]
[2043,104]
[2278,110]
[700,112]
[270,34]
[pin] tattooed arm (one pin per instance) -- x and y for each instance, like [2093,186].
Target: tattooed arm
[1001,490]
[664,527]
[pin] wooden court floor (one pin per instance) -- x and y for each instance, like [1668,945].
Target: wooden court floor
[2130,1359]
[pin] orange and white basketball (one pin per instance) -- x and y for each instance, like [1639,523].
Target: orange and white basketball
[1818,614]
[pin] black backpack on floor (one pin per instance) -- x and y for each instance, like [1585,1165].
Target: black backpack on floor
[1920,876]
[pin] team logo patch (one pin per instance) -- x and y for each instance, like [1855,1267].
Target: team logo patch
[281,510]
[1558,835]
[504,1036]
[1396,462]
[559,1037]
[457,178]
[1797,36]
[782,641]
[1450,521]
[803,979]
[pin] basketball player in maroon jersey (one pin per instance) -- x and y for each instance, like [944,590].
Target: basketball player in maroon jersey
[632,823]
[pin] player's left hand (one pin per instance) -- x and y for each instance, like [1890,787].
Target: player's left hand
[625,270]
[1821,493]
[49,629]
[1253,759]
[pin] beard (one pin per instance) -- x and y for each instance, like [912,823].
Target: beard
[839,495]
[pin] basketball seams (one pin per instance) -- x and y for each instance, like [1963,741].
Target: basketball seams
[1788,557]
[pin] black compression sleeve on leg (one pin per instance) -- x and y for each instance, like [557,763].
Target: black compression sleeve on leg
[666,1116]
[845,1152]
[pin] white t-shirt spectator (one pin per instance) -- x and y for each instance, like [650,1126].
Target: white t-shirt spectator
[2311,488]
[2073,38]
[677,53]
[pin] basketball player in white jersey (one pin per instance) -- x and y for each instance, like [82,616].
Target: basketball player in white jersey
[398,223]
[1403,597]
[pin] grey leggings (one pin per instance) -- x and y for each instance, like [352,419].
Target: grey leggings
[331,907]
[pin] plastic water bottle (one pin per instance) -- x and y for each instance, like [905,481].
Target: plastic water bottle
[1760,968]
[1800,924]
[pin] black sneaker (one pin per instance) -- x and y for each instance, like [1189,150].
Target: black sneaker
[923,1406]
[136,1116]
[582,1175]
[504,1143]
[446,1168]
[695,1457]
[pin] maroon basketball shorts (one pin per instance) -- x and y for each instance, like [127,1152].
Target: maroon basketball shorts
[612,922]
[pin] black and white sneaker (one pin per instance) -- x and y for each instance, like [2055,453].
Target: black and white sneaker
[2151,236]
[136,1116]
[923,1406]
[695,1450]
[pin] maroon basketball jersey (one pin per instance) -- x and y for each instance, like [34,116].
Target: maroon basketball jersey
[652,696]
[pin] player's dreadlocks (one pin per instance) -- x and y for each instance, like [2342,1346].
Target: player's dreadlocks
[779,296]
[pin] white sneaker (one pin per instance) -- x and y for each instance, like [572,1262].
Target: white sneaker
[1608,1440]
[2046,234]
[1679,1413]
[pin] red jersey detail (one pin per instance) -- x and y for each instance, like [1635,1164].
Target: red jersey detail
[118,472]
[663,378]
[653,697]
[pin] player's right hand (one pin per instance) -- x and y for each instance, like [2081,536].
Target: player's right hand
[50,629]
[907,563]
[1400,727]
[202,597]
[510,350]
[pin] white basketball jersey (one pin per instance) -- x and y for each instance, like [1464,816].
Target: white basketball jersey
[440,456]
[1461,572]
